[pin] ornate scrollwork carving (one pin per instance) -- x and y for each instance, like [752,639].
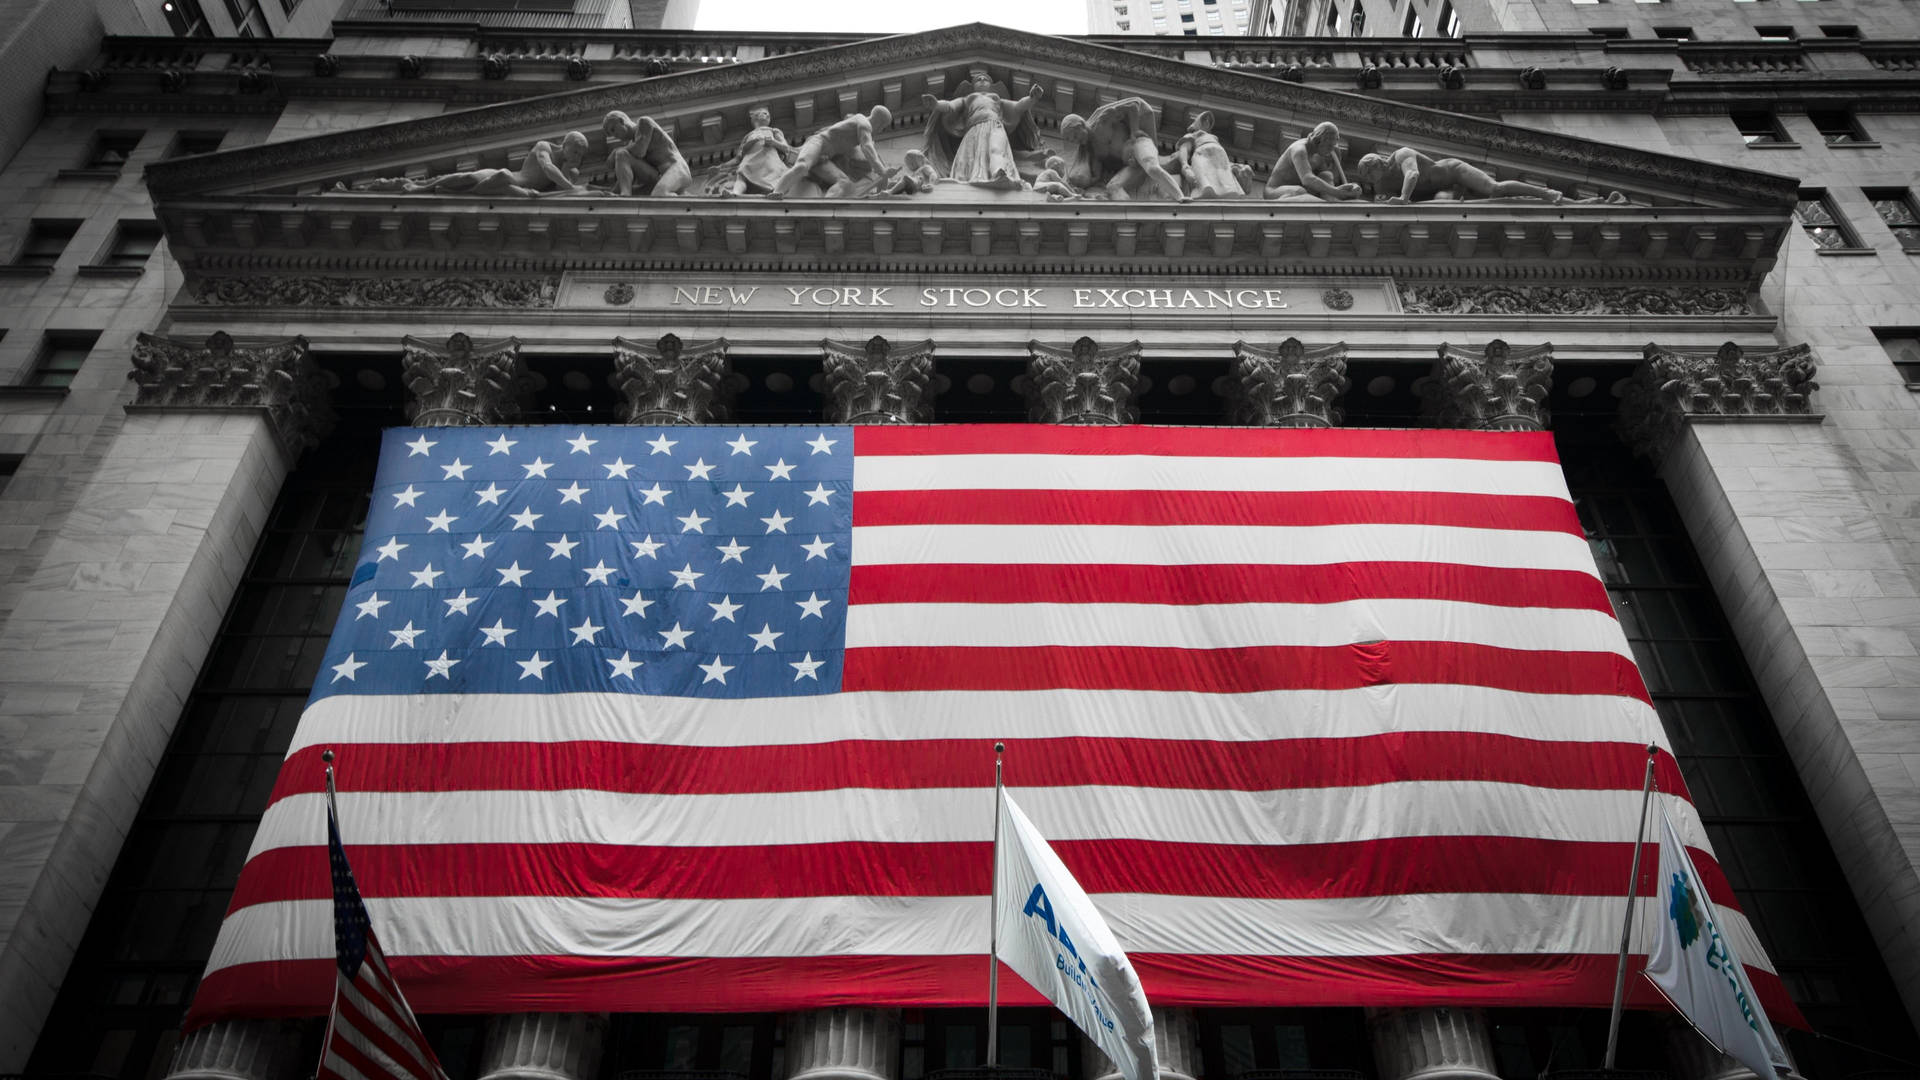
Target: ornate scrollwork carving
[462,383]
[1290,385]
[673,382]
[1498,389]
[1084,384]
[1570,300]
[878,383]
[1674,384]
[276,376]
[374,292]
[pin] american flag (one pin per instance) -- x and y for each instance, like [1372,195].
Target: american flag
[701,719]
[371,1033]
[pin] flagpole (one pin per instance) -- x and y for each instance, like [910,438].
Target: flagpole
[333,1010]
[993,924]
[1626,927]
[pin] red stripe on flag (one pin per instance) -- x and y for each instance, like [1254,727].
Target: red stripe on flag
[1266,765]
[1240,670]
[752,984]
[1204,442]
[1235,583]
[1397,865]
[353,1018]
[1252,508]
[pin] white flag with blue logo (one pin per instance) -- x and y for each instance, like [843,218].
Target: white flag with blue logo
[1695,966]
[1051,934]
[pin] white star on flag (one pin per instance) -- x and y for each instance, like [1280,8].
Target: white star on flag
[404,635]
[636,606]
[458,605]
[822,444]
[477,547]
[441,522]
[497,633]
[675,638]
[819,495]
[501,445]
[407,496]
[806,668]
[724,609]
[610,518]
[776,523]
[424,578]
[370,606]
[812,606]
[551,605]
[390,550]
[571,493]
[583,634]
[345,669]
[743,445]
[817,549]
[441,665]
[732,550]
[772,578]
[693,522]
[699,470]
[598,573]
[617,469]
[738,496]
[512,575]
[716,671]
[420,446]
[644,549]
[534,668]
[663,445]
[525,518]
[491,494]
[537,467]
[623,668]
[766,637]
[780,470]
[455,471]
[581,444]
[562,548]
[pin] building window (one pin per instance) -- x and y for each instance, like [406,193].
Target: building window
[1774,33]
[1760,128]
[111,149]
[1845,33]
[1817,216]
[185,18]
[187,143]
[1673,33]
[61,354]
[1837,126]
[1903,348]
[1411,25]
[133,242]
[45,242]
[1896,208]
[1448,19]
[248,20]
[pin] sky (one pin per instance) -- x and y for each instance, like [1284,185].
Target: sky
[890,16]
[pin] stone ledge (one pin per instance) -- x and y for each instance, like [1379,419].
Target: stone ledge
[89,174]
[33,391]
[1848,251]
[16,270]
[94,270]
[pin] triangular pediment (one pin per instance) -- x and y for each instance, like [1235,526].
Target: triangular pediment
[351,186]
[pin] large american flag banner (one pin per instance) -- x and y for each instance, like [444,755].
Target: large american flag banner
[701,719]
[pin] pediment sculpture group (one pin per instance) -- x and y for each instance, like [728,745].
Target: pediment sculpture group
[984,138]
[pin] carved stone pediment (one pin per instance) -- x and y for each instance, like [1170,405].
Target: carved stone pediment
[462,187]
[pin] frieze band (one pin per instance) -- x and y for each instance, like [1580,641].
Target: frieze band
[377,292]
[1570,300]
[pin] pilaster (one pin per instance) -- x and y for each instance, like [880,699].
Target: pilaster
[848,1043]
[543,1046]
[118,618]
[1290,385]
[1784,520]
[878,382]
[1431,1044]
[1084,383]
[463,383]
[672,382]
[1498,388]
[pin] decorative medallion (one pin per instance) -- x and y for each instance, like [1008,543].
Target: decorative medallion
[1337,299]
[619,293]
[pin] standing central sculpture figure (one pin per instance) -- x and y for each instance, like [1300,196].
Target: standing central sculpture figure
[974,138]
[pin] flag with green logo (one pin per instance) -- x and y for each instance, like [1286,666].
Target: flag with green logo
[1697,967]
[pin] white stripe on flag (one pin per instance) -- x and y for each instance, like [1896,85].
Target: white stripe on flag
[1402,924]
[952,815]
[1121,472]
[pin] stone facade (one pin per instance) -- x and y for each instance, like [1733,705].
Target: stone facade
[144,482]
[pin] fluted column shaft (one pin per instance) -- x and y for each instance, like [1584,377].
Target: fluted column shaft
[848,1043]
[462,383]
[1431,1044]
[239,1050]
[1176,1043]
[543,1046]
[878,382]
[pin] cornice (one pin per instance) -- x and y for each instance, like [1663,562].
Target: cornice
[1683,177]
[363,233]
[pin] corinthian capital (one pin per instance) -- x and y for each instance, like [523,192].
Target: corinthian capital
[1498,389]
[671,382]
[1289,385]
[1674,384]
[462,383]
[1083,384]
[878,383]
[276,376]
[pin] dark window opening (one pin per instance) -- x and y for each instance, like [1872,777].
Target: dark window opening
[1821,221]
[1673,33]
[1903,349]
[1896,207]
[46,241]
[1837,126]
[133,243]
[196,142]
[1759,128]
[61,354]
[185,18]
[1775,33]
[112,149]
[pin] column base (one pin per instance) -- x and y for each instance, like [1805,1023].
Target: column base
[239,1050]
[843,1044]
[543,1046]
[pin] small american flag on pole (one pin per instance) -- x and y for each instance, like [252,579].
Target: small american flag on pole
[371,1033]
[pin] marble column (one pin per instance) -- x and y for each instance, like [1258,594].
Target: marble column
[239,1050]
[1498,388]
[878,382]
[1084,383]
[543,1046]
[1431,1044]
[462,383]
[1176,1043]
[847,1043]
[232,418]
[1289,386]
[673,382]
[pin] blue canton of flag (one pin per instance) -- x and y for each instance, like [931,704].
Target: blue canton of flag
[351,927]
[690,561]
